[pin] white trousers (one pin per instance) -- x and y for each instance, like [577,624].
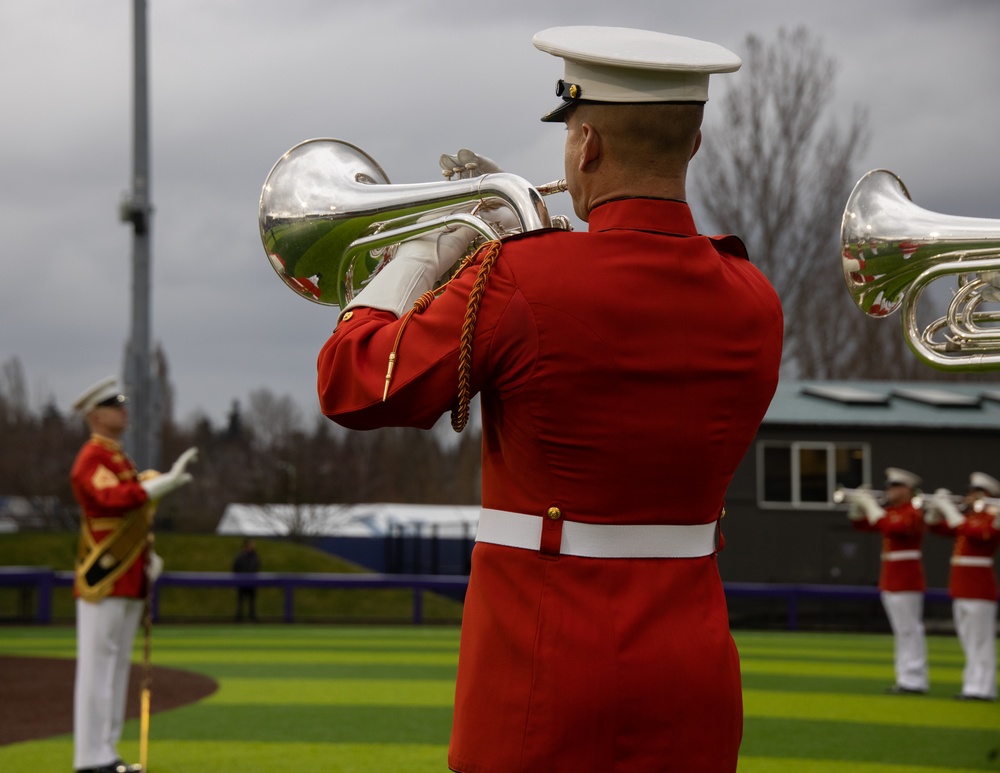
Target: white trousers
[105,632]
[975,623]
[906,612]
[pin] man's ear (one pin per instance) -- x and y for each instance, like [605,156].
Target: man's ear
[697,143]
[590,146]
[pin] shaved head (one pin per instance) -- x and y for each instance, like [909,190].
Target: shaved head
[657,138]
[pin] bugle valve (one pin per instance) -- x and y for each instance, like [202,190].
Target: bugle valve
[330,219]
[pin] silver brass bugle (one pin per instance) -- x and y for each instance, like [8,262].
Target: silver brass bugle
[329,218]
[841,494]
[892,250]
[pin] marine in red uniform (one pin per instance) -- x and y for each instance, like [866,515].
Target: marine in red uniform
[111,573]
[623,373]
[901,580]
[972,583]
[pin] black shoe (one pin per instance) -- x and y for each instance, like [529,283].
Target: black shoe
[965,697]
[900,690]
[115,767]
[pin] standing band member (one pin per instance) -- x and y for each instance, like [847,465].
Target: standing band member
[972,582]
[902,577]
[623,373]
[111,573]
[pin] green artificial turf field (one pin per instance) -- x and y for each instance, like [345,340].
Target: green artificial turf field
[348,699]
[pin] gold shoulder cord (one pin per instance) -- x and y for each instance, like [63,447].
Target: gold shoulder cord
[460,413]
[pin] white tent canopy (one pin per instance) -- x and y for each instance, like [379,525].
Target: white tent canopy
[359,520]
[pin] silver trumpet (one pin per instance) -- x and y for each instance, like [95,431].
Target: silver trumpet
[892,250]
[986,504]
[330,219]
[929,502]
[841,494]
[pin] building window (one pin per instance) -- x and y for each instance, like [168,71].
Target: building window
[805,474]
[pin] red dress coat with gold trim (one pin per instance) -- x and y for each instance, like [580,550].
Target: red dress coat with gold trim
[978,537]
[623,374]
[902,529]
[105,485]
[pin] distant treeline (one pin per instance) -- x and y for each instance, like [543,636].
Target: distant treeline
[263,455]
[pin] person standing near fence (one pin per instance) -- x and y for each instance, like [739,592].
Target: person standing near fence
[901,579]
[247,561]
[623,373]
[111,580]
[972,582]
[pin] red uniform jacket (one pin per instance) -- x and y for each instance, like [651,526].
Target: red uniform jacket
[902,529]
[105,485]
[977,537]
[623,374]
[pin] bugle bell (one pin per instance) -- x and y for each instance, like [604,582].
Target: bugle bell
[892,250]
[330,219]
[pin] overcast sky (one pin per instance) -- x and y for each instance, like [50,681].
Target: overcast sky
[235,83]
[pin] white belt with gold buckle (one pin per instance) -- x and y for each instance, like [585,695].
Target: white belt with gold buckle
[600,540]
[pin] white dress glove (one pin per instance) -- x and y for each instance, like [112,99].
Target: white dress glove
[416,268]
[465,164]
[158,487]
[854,509]
[942,503]
[865,505]
[992,290]
[154,566]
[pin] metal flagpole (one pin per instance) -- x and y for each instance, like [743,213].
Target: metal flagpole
[137,210]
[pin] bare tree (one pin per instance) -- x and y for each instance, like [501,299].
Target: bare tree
[776,169]
[272,419]
[14,392]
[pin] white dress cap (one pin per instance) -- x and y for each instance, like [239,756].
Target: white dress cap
[616,64]
[894,475]
[985,482]
[103,390]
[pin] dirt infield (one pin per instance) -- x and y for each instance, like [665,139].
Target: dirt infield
[36,699]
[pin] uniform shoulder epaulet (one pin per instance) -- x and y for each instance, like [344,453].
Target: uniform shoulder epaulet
[730,245]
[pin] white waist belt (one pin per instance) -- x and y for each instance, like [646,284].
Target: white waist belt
[901,555]
[600,540]
[971,561]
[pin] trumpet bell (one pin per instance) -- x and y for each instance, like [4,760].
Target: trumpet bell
[892,250]
[888,241]
[303,214]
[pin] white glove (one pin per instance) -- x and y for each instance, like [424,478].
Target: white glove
[941,502]
[154,566]
[870,509]
[992,290]
[188,457]
[465,164]
[158,487]
[417,266]
[854,509]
